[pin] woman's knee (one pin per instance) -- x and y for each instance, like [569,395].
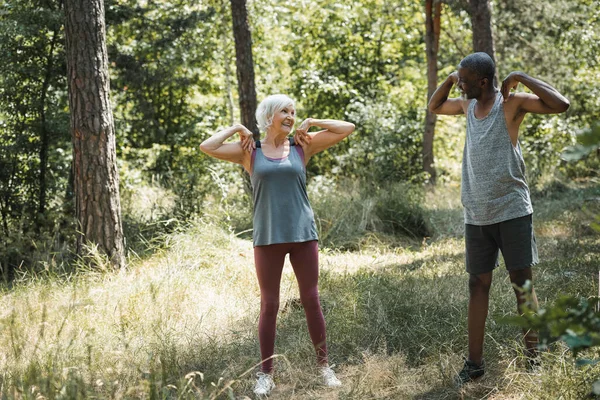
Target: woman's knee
[310,300]
[269,306]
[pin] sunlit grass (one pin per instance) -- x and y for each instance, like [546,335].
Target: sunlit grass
[182,323]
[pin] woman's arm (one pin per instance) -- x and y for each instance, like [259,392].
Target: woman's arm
[238,153]
[312,143]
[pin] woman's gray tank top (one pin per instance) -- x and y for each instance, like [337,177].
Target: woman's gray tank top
[282,212]
[493,187]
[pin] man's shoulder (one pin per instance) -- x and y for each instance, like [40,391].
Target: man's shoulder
[513,106]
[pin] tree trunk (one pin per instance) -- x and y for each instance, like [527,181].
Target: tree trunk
[481,22]
[44,139]
[228,86]
[245,74]
[96,180]
[245,65]
[433,10]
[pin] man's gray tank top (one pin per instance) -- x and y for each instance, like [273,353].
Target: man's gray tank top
[282,212]
[493,187]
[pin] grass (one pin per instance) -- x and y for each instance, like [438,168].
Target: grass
[182,323]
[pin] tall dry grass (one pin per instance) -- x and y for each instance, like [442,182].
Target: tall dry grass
[182,323]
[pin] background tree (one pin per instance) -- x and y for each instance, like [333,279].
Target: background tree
[481,22]
[245,65]
[166,86]
[363,61]
[34,165]
[96,180]
[433,10]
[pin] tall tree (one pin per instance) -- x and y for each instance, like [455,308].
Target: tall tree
[44,131]
[96,180]
[245,65]
[433,10]
[481,22]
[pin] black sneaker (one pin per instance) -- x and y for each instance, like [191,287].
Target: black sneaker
[470,372]
[534,364]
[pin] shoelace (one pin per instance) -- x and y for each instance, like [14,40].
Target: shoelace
[265,381]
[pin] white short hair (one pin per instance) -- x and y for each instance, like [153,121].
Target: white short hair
[268,107]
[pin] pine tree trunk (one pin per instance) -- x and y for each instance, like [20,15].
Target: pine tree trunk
[433,10]
[245,65]
[245,74]
[96,180]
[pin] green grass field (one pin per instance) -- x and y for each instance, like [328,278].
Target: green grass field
[182,323]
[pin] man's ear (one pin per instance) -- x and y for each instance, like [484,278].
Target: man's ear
[484,81]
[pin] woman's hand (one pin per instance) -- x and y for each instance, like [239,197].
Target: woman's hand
[301,135]
[246,138]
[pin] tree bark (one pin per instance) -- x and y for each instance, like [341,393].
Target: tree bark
[244,65]
[481,22]
[96,180]
[433,10]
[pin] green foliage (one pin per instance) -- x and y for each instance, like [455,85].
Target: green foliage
[172,72]
[558,42]
[358,62]
[588,141]
[33,135]
[347,212]
[387,147]
[164,84]
[574,321]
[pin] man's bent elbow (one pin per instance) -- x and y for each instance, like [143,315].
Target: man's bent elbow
[564,106]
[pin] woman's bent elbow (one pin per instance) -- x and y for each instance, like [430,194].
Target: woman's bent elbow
[204,148]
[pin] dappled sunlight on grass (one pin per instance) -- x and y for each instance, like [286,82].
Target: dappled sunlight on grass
[395,312]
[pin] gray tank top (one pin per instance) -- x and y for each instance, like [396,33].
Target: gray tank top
[493,187]
[282,212]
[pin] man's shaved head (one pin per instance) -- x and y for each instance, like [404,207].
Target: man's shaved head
[480,63]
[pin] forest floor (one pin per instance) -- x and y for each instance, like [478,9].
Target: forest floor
[183,322]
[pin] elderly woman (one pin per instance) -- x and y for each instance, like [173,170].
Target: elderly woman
[283,218]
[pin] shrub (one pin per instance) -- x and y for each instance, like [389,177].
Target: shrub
[348,211]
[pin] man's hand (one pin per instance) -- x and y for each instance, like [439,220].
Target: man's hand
[454,77]
[509,83]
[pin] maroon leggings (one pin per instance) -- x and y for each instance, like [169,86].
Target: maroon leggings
[304,258]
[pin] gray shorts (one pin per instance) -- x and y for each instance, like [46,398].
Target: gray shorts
[514,238]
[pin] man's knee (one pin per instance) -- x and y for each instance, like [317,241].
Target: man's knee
[480,283]
[519,277]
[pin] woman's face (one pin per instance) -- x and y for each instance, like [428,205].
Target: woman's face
[283,120]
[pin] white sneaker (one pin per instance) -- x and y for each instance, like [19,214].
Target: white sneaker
[329,378]
[264,384]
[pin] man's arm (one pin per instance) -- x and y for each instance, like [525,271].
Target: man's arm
[439,103]
[545,100]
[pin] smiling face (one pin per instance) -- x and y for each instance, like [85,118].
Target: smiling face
[284,119]
[470,83]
